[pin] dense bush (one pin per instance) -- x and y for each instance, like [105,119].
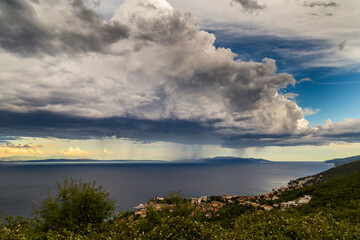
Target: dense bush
[76,205]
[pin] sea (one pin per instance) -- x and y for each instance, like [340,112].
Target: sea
[22,185]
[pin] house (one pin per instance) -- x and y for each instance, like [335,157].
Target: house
[287,205]
[157,199]
[217,204]
[304,200]
[140,207]
[194,200]
[141,212]
[241,199]
[202,199]
[255,205]
[282,188]
[158,206]
[275,198]
[267,207]
[228,197]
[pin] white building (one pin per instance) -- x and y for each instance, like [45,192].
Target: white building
[287,205]
[202,199]
[304,200]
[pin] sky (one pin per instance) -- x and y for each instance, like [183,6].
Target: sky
[179,79]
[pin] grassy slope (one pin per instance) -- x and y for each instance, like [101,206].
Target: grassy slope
[337,171]
[340,171]
[340,192]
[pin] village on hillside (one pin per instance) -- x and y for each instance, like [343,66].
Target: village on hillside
[265,202]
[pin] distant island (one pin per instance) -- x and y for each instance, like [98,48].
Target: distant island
[232,160]
[78,161]
[215,160]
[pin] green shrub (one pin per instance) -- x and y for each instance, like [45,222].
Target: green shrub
[76,205]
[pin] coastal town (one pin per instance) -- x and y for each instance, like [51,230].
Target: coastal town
[211,205]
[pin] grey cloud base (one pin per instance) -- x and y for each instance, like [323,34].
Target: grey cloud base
[46,124]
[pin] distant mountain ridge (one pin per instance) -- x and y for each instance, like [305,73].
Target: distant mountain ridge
[61,160]
[341,161]
[233,160]
[215,160]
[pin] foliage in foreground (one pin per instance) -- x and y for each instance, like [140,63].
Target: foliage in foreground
[164,225]
[76,205]
[181,220]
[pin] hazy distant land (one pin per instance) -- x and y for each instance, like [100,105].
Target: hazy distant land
[215,160]
[341,161]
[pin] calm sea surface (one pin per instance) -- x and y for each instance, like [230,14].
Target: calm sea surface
[132,184]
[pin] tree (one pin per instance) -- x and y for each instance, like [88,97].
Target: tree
[76,205]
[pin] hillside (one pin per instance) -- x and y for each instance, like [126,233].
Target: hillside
[340,170]
[341,161]
[335,172]
[338,191]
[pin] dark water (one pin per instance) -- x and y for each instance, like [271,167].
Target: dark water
[132,184]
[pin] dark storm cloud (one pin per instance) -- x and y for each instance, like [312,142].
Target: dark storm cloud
[81,30]
[257,140]
[20,29]
[48,124]
[250,5]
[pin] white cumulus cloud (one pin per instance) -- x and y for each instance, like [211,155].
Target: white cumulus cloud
[167,68]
